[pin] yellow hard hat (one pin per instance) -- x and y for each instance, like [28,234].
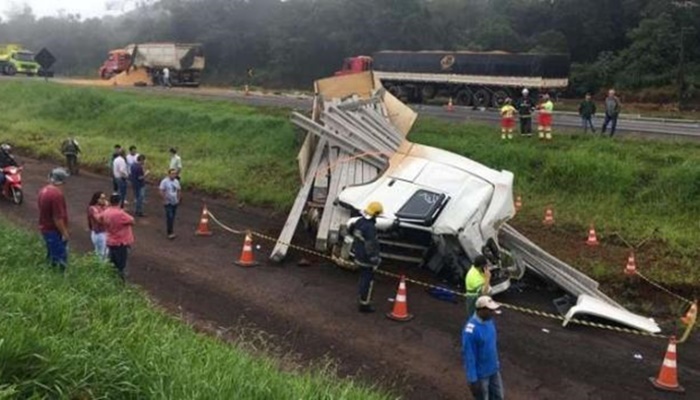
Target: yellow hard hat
[374,208]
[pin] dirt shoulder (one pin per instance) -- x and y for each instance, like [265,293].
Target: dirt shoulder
[310,311]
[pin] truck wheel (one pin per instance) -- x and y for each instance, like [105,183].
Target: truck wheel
[482,98]
[464,97]
[396,91]
[10,70]
[427,92]
[499,98]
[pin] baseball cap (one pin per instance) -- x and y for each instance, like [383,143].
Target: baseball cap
[58,176]
[487,302]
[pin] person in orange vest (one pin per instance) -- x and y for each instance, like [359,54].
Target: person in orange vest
[507,119]
[544,128]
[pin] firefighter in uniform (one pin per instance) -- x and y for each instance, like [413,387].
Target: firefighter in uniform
[525,108]
[477,283]
[507,119]
[365,251]
[544,128]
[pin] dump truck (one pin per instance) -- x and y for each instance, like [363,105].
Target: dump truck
[16,60]
[441,209]
[184,61]
[478,79]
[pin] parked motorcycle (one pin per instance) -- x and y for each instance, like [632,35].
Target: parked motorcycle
[12,188]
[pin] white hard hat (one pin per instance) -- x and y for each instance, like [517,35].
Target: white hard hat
[525,91]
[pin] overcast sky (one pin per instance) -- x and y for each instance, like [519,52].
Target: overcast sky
[86,8]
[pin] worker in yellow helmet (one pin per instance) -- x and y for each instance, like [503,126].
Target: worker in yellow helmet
[365,252]
[507,119]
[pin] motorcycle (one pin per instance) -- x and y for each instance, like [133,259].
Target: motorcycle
[12,188]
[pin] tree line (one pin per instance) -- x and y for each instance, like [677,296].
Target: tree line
[640,45]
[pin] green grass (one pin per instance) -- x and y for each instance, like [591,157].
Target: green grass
[83,335]
[225,148]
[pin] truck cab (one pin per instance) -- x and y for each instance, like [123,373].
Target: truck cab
[117,61]
[15,60]
[354,65]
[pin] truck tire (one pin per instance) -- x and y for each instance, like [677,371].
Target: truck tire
[428,92]
[482,98]
[464,97]
[499,98]
[10,70]
[399,92]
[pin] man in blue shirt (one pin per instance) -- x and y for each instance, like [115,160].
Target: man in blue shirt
[480,352]
[171,194]
[138,182]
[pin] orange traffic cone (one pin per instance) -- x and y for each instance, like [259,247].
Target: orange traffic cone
[450,106]
[592,238]
[203,228]
[631,267]
[518,203]
[548,216]
[247,258]
[668,375]
[400,312]
[691,315]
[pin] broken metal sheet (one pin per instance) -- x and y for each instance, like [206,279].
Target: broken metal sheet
[587,305]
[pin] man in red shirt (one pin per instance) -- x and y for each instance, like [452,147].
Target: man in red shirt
[120,236]
[53,219]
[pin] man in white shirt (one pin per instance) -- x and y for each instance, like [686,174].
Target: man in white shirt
[166,77]
[131,157]
[120,172]
[175,163]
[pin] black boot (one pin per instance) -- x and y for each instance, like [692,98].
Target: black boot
[365,308]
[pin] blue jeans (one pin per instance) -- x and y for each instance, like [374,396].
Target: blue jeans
[121,189]
[118,256]
[609,119]
[56,249]
[140,195]
[491,388]
[99,241]
[587,122]
[170,211]
[365,285]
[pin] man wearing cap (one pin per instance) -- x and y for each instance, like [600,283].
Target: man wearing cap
[477,282]
[480,352]
[365,252]
[53,219]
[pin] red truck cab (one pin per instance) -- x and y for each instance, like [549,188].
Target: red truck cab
[116,62]
[354,65]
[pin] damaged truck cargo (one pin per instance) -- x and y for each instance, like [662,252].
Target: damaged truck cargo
[441,210]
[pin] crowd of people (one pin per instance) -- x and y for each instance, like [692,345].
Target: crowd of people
[110,224]
[525,108]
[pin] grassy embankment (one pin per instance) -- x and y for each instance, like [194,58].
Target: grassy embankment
[632,187]
[83,335]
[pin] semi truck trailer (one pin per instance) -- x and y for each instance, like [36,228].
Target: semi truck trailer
[478,79]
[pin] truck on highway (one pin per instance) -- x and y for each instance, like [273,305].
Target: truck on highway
[16,60]
[184,61]
[478,79]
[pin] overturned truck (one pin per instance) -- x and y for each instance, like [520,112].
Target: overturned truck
[441,210]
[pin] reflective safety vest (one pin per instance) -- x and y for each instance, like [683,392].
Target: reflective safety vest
[474,282]
[547,107]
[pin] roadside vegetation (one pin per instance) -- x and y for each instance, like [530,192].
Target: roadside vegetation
[638,189]
[84,335]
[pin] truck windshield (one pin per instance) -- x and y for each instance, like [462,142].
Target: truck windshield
[24,56]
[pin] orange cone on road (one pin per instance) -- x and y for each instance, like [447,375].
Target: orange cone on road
[518,203]
[692,314]
[592,238]
[668,375]
[548,216]
[450,106]
[631,267]
[203,228]
[400,311]
[247,257]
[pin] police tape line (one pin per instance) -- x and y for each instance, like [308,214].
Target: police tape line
[524,310]
[658,286]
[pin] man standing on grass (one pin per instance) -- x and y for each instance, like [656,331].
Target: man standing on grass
[175,162]
[171,194]
[120,235]
[613,106]
[525,108]
[587,110]
[115,153]
[53,219]
[480,352]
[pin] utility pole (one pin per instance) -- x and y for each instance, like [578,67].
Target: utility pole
[686,5]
